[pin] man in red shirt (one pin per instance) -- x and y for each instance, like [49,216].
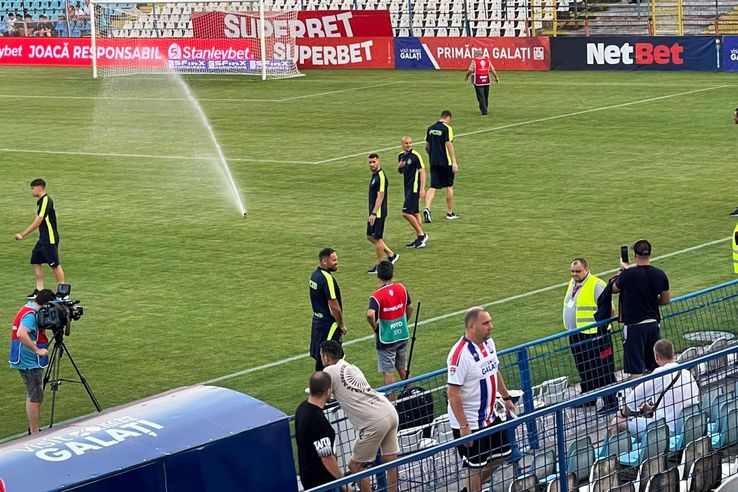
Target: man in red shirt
[480,69]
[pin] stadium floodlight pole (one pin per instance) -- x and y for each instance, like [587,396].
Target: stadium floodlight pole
[93,40]
[262,39]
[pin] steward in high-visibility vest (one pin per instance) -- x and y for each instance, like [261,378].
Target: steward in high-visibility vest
[592,351]
[582,298]
[735,249]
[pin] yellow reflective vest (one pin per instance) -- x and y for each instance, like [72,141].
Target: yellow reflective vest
[735,250]
[586,306]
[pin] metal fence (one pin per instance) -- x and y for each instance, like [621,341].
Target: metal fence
[542,374]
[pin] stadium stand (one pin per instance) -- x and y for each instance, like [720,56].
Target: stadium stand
[560,444]
[481,18]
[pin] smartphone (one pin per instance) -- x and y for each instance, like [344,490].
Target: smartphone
[624,254]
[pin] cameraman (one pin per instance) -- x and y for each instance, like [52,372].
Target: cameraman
[28,357]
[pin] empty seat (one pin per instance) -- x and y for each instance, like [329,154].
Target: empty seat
[648,469]
[705,473]
[502,478]
[654,443]
[526,483]
[692,452]
[691,426]
[666,481]
[543,465]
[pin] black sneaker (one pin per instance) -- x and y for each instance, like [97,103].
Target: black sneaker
[413,244]
[393,258]
[372,270]
[32,295]
[452,216]
[427,216]
[734,213]
[420,242]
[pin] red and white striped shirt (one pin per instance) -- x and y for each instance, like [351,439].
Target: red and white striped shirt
[474,368]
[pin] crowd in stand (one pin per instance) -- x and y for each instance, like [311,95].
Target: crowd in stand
[66,21]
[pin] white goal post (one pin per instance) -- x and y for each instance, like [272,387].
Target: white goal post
[167,36]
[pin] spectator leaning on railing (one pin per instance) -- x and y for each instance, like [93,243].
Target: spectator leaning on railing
[658,398]
[44,28]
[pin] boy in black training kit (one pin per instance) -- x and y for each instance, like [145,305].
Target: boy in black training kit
[46,249]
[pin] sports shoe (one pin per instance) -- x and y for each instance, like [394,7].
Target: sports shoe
[413,244]
[393,258]
[452,216]
[420,242]
[734,213]
[32,295]
[372,270]
[427,216]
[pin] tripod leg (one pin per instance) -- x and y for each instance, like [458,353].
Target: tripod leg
[82,379]
[52,376]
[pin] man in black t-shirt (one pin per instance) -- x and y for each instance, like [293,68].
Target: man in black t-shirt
[315,436]
[47,247]
[378,186]
[325,299]
[410,164]
[643,288]
[439,144]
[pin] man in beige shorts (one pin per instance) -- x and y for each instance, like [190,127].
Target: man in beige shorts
[371,413]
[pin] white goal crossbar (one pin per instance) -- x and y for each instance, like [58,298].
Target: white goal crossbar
[164,36]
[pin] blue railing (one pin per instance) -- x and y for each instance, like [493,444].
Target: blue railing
[511,425]
[531,363]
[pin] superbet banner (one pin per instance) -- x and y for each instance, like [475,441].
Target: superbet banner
[309,24]
[506,53]
[190,54]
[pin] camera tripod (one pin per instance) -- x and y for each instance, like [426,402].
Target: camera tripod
[52,378]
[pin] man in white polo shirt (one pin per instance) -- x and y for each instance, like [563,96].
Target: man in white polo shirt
[474,381]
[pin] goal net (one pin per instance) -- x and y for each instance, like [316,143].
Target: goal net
[162,37]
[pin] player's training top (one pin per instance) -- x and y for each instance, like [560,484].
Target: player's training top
[377,184]
[47,232]
[411,172]
[437,136]
[323,287]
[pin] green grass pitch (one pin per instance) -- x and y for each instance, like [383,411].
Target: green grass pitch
[178,289]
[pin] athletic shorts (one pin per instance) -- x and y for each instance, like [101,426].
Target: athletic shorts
[33,379]
[412,203]
[45,253]
[377,230]
[493,446]
[392,357]
[320,332]
[638,342]
[441,177]
[381,435]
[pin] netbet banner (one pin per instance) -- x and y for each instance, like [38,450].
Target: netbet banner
[730,53]
[190,54]
[635,53]
[309,24]
[455,53]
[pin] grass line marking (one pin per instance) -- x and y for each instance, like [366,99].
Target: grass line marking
[201,99]
[505,300]
[538,120]
[304,96]
[146,156]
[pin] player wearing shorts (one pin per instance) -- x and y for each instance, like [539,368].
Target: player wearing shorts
[325,299]
[474,380]
[410,164]
[47,247]
[378,186]
[439,144]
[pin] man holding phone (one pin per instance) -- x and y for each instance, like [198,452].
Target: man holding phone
[643,288]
